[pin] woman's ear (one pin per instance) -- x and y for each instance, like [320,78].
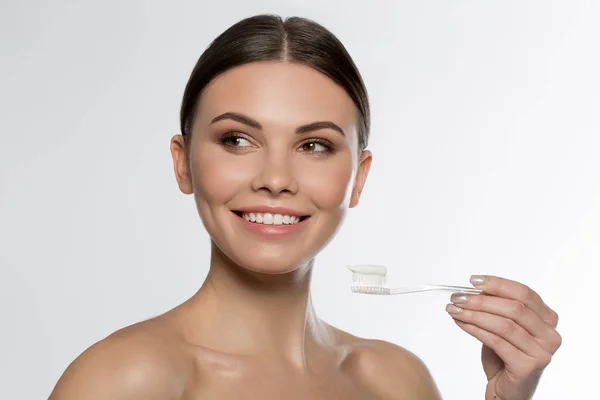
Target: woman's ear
[181,164]
[364,165]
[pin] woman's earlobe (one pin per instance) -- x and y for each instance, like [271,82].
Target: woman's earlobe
[181,164]
[184,179]
[354,198]
[356,193]
[361,177]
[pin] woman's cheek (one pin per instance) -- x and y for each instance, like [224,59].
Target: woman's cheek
[327,185]
[218,176]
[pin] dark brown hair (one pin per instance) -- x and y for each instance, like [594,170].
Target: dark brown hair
[270,38]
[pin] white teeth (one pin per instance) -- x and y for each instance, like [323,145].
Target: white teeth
[271,219]
[268,219]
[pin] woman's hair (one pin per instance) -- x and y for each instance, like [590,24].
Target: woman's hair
[270,38]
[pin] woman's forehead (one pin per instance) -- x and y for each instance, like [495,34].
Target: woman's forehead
[278,92]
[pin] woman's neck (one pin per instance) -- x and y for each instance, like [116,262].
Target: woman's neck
[241,312]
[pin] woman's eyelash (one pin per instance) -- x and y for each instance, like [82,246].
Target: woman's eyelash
[230,138]
[323,142]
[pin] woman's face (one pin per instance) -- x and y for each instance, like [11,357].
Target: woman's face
[273,163]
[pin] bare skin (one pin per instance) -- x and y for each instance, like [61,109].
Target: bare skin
[155,360]
[251,331]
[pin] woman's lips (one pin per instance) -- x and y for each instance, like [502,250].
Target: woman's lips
[271,230]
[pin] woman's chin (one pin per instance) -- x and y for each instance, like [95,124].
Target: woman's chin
[268,259]
[272,265]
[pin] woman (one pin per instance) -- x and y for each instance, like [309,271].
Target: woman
[274,130]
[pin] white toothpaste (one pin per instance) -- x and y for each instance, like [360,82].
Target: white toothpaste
[368,275]
[369,269]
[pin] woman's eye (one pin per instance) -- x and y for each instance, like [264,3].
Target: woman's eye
[315,147]
[235,141]
[241,142]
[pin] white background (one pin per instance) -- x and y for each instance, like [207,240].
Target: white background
[486,122]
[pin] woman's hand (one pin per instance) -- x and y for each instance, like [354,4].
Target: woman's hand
[518,332]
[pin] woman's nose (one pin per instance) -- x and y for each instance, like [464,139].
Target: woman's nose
[276,174]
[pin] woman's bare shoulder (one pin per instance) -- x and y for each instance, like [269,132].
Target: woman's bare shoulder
[392,371]
[135,362]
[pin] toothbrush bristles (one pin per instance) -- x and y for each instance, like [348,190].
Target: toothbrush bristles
[362,279]
[370,289]
[368,283]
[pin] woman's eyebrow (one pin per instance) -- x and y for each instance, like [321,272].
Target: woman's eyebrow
[241,118]
[244,119]
[315,126]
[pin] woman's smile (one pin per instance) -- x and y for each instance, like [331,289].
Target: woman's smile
[271,222]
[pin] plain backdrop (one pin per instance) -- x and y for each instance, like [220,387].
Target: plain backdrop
[486,142]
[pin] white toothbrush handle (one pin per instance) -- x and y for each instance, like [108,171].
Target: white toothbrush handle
[445,288]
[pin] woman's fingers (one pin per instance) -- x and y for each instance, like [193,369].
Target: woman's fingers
[508,289]
[515,311]
[517,362]
[502,327]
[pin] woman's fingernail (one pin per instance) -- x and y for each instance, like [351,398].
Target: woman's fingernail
[478,280]
[459,298]
[452,309]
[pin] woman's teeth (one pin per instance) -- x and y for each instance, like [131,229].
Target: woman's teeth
[270,219]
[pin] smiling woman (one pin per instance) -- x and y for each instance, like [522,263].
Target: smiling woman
[274,130]
[274,126]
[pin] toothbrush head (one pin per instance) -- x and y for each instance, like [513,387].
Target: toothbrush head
[369,279]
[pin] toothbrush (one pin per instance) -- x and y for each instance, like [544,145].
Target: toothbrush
[371,279]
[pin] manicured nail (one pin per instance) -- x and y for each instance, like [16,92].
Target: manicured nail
[452,309]
[459,298]
[478,280]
